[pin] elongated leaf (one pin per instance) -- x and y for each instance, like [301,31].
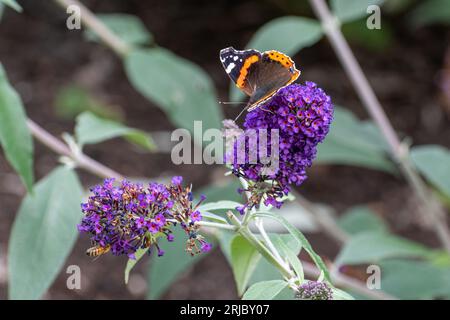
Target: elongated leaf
[15,137]
[12,4]
[433,161]
[339,294]
[244,258]
[291,256]
[91,129]
[219,205]
[360,219]
[165,270]
[287,34]
[354,142]
[132,262]
[431,12]
[183,90]
[213,217]
[349,10]
[126,26]
[265,290]
[370,247]
[43,234]
[409,279]
[302,240]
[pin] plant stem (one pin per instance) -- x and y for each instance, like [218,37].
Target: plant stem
[88,19]
[245,232]
[399,152]
[80,159]
[268,242]
[217,225]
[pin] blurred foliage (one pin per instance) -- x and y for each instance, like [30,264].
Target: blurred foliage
[128,27]
[91,129]
[15,138]
[354,142]
[431,12]
[433,161]
[12,4]
[43,234]
[350,10]
[181,88]
[72,100]
[374,40]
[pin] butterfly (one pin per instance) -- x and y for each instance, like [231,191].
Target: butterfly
[258,74]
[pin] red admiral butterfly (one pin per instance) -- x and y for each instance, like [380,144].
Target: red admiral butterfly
[259,75]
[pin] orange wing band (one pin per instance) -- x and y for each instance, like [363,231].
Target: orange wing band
[244,70]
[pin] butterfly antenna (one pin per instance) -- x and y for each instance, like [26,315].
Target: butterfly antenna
[231,102]
[243,110]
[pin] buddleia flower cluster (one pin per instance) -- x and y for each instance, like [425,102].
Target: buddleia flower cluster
[301,116]
[314,290]
[123,218]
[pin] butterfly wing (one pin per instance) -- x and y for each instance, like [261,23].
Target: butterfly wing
[237,64]
[272,72]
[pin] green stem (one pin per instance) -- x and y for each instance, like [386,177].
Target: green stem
[245,232]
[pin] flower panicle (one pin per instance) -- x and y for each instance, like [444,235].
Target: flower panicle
[301,116]
[129,216]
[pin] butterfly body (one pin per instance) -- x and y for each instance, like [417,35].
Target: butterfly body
[258,74]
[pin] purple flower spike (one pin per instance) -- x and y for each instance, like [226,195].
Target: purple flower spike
[299,116]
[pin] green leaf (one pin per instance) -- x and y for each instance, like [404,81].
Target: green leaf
[287,34]
[373,39]
[349,10]
[430,12]
[12,4]
[43,234]
[165,270]
[265,290]
[179,87]
[433,162]
[339,294]
[72,100]
[132,262]
[360,219]
[91,129]
[409,279]
[353,142]
[219,205]
[126,26]
[301,239]
[15,137]
[244,258]
[266,271]
[291,256]
[213,217]
[370,247]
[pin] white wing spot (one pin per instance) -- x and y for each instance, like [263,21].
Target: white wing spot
[235,58]
[230,67]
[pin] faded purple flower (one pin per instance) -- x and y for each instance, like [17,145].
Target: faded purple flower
[313,290]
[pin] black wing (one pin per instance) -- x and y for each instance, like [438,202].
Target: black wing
[237,63]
